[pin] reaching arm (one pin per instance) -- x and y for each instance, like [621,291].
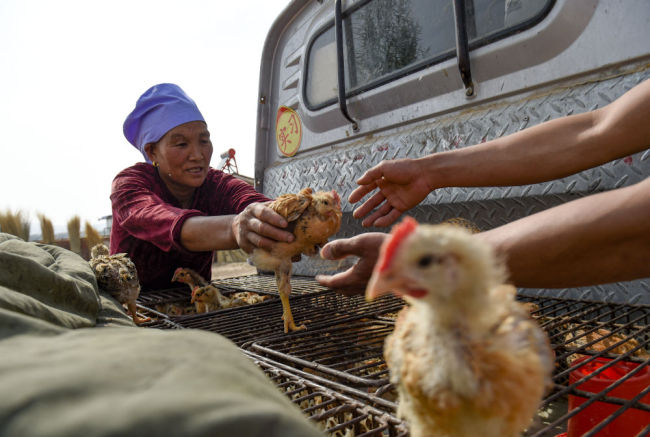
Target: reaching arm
[256,226]
[551,150]
[206,233]
[594,240]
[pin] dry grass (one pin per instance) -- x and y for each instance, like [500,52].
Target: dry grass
[74,234]
[15,223]
[47,229]
[93,237]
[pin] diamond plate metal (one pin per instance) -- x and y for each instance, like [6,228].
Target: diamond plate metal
[339,168]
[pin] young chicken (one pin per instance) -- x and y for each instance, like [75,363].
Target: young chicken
[250,298]
[206,299]
[117,275]
[205,296]
[313,218]
[466,358]
[463,223]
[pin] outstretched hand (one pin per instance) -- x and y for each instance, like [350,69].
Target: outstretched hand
[401,184]
[259,226]
[354,280]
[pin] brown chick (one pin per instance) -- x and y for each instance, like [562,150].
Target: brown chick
[205,296]
[601,339]
[250,298]
[313,218]
[117,275]
[466,358]
[208,298]
[189,277]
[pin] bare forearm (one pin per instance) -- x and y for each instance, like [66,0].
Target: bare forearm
[594,240]
[538,154]
[550,150]
[208,233]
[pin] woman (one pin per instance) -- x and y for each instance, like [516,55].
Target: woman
[174,210]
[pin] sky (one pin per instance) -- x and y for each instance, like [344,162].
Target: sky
[71,71]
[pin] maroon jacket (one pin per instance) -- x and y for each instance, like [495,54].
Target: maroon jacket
[147,220]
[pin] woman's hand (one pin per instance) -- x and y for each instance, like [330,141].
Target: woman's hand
[259,226]
[354,280]
[401,184]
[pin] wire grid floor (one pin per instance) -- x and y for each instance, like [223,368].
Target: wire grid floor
[333,411]
[342,350]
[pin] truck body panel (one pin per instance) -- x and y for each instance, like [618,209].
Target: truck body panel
[570,57]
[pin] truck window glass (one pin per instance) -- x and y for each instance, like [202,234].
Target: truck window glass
[387,39]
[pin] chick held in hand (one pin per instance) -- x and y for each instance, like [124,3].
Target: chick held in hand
[465,356]
[117,275]
[313,218]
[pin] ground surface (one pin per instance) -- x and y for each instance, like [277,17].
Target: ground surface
[231,270]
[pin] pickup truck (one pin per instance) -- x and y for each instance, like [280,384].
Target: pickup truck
[347,84]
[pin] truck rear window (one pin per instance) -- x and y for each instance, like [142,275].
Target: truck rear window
[387,39]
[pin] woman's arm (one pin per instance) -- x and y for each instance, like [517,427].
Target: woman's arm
[256,226]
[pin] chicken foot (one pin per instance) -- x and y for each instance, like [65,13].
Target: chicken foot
[136,319]
[284,289]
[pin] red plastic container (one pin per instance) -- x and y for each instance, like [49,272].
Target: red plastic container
[631,422]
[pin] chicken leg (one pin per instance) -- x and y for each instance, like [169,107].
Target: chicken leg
[136,319]
[282,275]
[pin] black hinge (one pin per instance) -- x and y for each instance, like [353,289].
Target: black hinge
[462,47]
[338,30]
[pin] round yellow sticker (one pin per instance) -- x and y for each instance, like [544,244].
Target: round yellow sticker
[288,131]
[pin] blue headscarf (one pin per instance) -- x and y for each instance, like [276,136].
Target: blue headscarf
[160,109]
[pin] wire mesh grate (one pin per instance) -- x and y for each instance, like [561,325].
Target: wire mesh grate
[342,349]
[351,351]
[602,377]
[332,411]
[175,303]
[316,310]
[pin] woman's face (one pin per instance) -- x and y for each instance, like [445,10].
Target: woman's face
[183,155]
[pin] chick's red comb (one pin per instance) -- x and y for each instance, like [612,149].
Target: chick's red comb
[337,198]
[397,235]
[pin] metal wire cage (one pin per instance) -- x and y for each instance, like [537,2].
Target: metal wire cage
[602,377]
[601,381]
[333,411]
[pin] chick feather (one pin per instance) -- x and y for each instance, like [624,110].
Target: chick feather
[465,356]
[117,275]
[313,218]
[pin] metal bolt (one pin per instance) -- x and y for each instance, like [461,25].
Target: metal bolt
[262,100]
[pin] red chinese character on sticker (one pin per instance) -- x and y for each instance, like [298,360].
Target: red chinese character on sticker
[288,131]
[283,139]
